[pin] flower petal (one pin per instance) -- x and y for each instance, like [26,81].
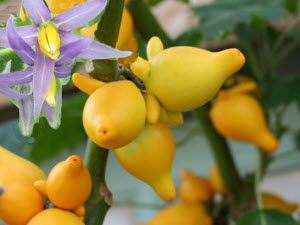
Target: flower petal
[18,44]
[15,78]
[79,14]
[42,74]
[3,38]
[37,10]
[62,71]
[28,33]
[72,50]
[97,50]
[8,92]
[67,37]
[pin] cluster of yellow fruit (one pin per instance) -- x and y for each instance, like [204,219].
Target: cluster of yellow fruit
[21,203]
[238,115]
[117,115]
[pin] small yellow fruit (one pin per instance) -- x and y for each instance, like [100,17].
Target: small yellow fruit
[114,114]
[54,216]
[271,201]
[181,214]
[68,185]
[17,169]
[215,179]
[184,78]
[240,117]
[19,202]
[149,158]
[242,84]
[194,189]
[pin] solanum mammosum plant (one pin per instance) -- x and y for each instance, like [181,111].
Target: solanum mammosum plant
[108,111]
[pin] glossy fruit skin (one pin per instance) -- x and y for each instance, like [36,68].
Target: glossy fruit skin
[18,169]
[194,189]
[54,216]
[215,179]
[149,158]
[181,214]
[183,78]
[68,185]
[241,117]
[114,114]
[19,202]
[271,201]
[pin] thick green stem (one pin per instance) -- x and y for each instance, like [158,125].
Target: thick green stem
[100,199]
[146,23]
[221,151]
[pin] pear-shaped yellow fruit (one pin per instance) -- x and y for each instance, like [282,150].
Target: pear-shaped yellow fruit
[150,157]
[17,169]
[271,201]
[19,202]
[240,117]
[181,214]
[183,78]
[54,216]
[194,189]
[114,114]
[68,185]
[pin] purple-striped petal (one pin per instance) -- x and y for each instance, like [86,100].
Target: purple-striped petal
[18,44]
[3,38]
[37,10]
[67,37]
[72,50]
[28,33]
[79,14]
[42,74]
[11,93]
[15,78]
[62,71]
[97,50]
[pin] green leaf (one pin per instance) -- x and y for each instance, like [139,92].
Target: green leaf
[281,92]
[221,17]
[292,6]
[272,217]
[7,55]
[49,142]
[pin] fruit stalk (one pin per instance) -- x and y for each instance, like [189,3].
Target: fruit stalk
[220,150]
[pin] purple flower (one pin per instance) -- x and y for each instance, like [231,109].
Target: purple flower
[49,49]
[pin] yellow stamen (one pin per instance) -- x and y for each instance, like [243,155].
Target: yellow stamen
[49,41]
[50,98]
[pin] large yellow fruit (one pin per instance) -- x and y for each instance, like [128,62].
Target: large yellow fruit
[183,78]
[114,114]
[241,117]
[68,185]
[59,6]
[150,157]
[17,169]
[19,202]
[271,201]
[181,214]
[54,216]
[194,189]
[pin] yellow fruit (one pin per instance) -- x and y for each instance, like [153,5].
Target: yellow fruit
[215,179]
[242,84]
[17,169]
[19,202]
[183,78]
[194,189]
[59,6]
[181,214]
[241,117]
[271,201]
[54,216]
[150,157]
[68,185]
[114,114]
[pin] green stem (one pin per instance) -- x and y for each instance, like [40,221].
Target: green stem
[221,151]
[100,199]
[127,73]
[146,23]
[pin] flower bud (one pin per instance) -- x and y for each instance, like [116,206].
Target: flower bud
[49,41]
